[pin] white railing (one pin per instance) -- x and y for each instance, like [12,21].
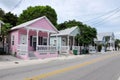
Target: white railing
[64,49]
[22,49]
[45,48]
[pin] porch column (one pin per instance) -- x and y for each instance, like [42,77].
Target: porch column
[73,42]
[37,40]
[56,42]
[68,41]
[48,39]
[27,39]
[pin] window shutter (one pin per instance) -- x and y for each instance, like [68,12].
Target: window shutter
[39,40]
[30,40]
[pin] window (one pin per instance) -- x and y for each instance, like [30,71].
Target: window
[55,42]
[44,41]
[40,40]
[12,39]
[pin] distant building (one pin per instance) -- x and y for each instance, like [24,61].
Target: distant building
[106,39]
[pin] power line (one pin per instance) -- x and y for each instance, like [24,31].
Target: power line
[117,17]
[20,1]
[91,20]
[106,18]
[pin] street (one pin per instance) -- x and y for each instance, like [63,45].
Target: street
[91,67]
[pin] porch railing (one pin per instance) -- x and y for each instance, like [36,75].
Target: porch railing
[22,49]
[76,47]
[45,48]
[64,49]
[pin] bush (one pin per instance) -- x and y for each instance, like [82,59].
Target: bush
[99,48]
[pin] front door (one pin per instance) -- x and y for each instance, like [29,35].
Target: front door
[34,42]
[23,39]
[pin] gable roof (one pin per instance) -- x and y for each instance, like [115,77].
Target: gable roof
[32,21]
[101,35]
[67,31]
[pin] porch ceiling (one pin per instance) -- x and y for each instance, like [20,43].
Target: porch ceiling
[40,29]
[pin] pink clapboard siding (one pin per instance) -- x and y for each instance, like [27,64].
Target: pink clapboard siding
[13,48]
[43,24]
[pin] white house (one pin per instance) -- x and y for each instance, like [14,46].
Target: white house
[65,40]
[101,40]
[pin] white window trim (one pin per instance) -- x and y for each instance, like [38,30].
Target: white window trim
[33,39]
[12,40]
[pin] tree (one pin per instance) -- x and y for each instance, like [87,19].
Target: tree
[38,11]
[117,44]
[68,24]
[87,33]
[10,18]
[2,13]
[5,31]
[106,44]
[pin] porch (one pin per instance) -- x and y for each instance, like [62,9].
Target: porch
[34,43]
[68,45]
[65,40]
[67,50]
[41,52]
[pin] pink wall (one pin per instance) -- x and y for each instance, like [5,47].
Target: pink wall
[13,48]
[42,24]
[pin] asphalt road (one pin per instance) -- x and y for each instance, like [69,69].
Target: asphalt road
[91,67]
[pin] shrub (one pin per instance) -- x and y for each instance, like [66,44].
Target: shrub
[99,48]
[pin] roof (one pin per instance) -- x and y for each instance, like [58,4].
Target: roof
[101,35]
[67,31]
[32,21]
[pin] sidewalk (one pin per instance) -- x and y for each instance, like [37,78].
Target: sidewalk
[19,63]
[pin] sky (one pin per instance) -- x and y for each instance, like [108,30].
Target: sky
[104,15]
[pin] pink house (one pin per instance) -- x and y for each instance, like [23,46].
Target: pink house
[31,39]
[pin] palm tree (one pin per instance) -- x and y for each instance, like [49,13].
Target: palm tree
[106,42]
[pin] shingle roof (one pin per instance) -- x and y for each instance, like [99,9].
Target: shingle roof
[32,21]
[67,31]
[101,35]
